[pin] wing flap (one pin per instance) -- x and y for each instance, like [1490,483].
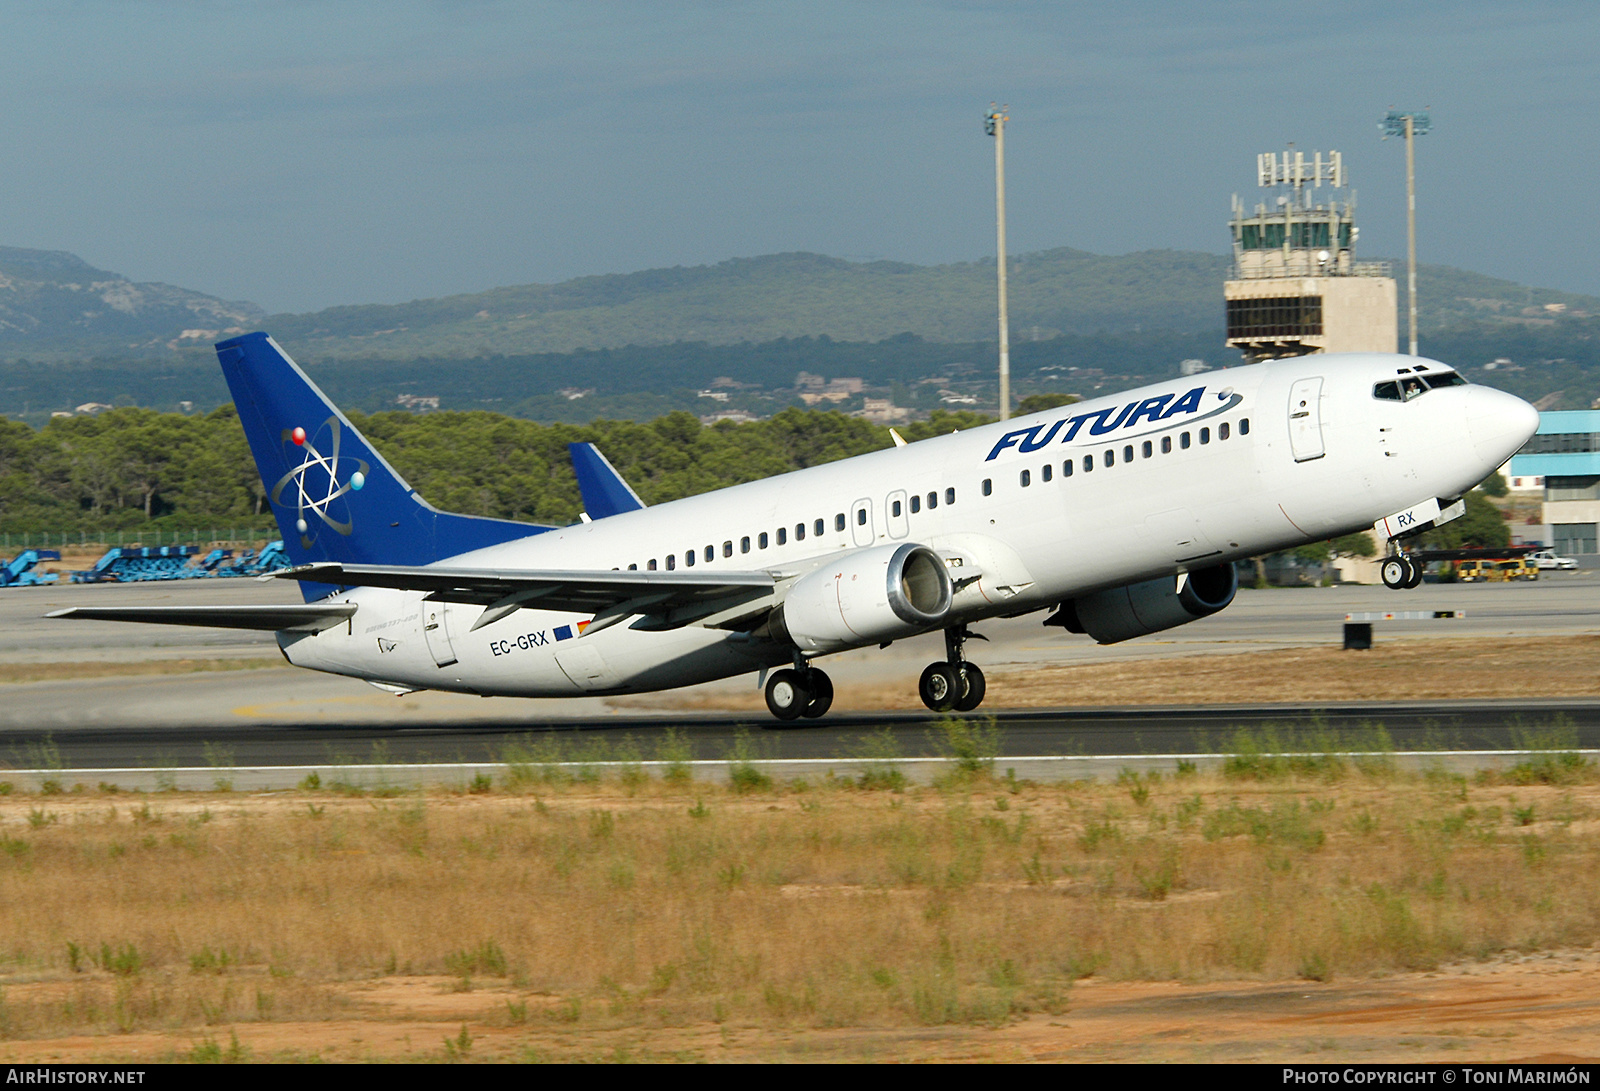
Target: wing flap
[310,618]
[669,599]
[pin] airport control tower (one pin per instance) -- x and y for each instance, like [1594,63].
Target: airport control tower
[1296,286]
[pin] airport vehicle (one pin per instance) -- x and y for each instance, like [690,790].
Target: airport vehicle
[1115,518]
[1546,558]
[1517,568]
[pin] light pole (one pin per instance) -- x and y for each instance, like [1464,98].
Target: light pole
[1409,125]
[994,123]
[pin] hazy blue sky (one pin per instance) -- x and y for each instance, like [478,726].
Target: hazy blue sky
[302,155]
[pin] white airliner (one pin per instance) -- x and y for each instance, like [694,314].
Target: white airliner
[1115,517]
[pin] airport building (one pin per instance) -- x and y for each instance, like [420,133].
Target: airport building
[1296,287]
[1565,452]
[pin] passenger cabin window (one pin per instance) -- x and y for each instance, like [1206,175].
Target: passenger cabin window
[1205,436]
[861,517]
[744,544]
[1183,441]
[894,509]
[783,535]
[1110,458]
[1088,463]
[988,488]
[799,532]
[672,561]
[1127,453]
[727,548]
[933,500]
[916,504]
[1046,471]
[838,520]
[950,495]
[761,540]
[1166,445]
[1244,426]
[1222,430]
[633,568]
[1026,478]
[1066,468]
[1148,449]
[688,557]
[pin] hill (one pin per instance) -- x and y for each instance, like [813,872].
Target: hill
[54,301]
[1053,292]
[54,304]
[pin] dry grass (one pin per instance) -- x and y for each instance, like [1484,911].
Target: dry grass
[89,668]
[1395,670]
[646,905]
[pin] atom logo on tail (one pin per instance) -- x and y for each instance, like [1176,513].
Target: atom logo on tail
[316,480]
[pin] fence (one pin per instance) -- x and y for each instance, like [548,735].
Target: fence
[105,539]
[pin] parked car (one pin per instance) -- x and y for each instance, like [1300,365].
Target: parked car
[1546,558]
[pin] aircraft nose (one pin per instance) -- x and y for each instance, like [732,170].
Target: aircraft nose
[1498,424]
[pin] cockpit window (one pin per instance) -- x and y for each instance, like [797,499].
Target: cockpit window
[1414,386]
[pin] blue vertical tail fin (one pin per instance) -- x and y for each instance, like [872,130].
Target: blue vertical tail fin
[334,497]
[603,490]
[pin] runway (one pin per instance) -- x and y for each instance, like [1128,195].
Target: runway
[278,715]
[1070,732]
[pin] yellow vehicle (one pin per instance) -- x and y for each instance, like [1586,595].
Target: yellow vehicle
[1496,571]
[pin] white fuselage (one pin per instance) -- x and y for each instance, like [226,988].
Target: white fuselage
[1262,458]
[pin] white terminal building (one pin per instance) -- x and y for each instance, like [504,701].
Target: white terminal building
[1296,286]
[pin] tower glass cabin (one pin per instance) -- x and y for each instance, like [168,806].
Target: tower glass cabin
[1296,287]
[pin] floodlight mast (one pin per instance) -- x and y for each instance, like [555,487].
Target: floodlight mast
[1409,125]
[994,123]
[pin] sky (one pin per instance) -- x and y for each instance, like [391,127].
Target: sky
[303,155]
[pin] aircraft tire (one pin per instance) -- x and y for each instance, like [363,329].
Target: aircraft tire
[939,687]
[821,694]
[1395,572]
[973,688]
[787,694]
[1414,574]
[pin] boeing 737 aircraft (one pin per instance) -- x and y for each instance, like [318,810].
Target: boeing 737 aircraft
[1120,516]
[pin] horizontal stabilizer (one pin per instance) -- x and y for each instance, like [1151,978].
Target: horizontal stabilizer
[309,618]
[603,489]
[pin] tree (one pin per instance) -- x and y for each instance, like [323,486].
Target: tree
[1038,403]
[1481,525]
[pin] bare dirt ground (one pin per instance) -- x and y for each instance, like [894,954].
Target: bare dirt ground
[1539,1008]
[1399,670]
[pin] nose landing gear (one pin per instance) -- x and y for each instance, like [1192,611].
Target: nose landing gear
[1400,572]
[956,685]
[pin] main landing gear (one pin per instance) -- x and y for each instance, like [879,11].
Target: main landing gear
[1400,573]
[956,685]
[803,691]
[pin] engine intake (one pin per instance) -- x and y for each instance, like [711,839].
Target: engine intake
[1138,609]
[867,597]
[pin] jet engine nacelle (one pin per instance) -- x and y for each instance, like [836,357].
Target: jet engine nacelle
[867,597]
[1140,608]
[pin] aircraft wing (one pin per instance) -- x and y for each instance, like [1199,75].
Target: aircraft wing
[309,618]
[663,600]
